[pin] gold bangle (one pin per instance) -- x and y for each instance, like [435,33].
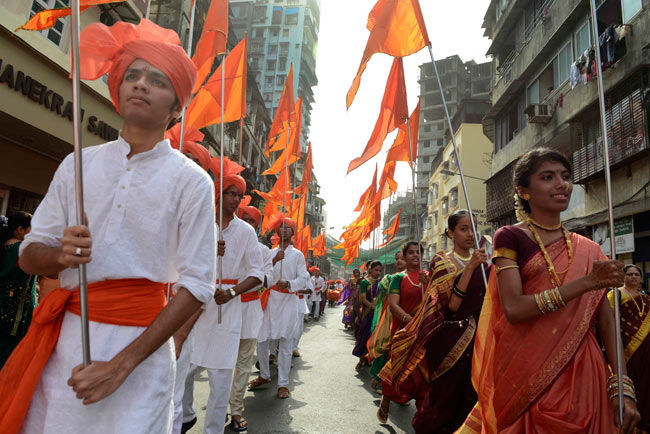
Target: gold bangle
[498,269]
[540,305]
[550,304]
[559,296]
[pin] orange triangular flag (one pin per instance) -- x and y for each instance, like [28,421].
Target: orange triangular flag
[402,149]
[397,29]
[47,18]
[205,108]
[387,183]
[285,114]
[369,194]
[392,230]
[306,173]
[214,37]
[394,110]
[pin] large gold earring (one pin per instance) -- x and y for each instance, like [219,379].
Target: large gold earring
[526,196]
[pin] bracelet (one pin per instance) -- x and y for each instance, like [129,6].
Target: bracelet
[404,317]
[498,269]
[558,297]
[540,305]
[458,292]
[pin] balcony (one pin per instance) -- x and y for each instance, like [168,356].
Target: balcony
[500,190]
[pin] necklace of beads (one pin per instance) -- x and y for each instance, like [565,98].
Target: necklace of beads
[464,259]
[551,268]
[541,226]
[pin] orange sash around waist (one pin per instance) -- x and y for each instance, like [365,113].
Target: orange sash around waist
[126,302]
[228,281]
[267,292]
[250,296]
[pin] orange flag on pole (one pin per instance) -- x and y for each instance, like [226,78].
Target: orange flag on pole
[369,194]
[401,149]
[293,151]
[394,110]
[47,18]
[397,29]
[214,37]
[387,183]
[306,174]
[285,115]
[205,108]
[392,230]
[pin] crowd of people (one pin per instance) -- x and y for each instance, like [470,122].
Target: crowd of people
[521,342]
[180,282]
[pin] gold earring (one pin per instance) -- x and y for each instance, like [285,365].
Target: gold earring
[526,196]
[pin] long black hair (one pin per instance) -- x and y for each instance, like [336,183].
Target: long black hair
[8,226]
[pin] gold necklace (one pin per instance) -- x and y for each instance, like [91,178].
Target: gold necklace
[409,279]
[631,297]
[551,268]
[464,259]
[546,228]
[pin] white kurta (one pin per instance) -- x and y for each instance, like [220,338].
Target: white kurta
[252,313]
[282,309]
[303,309]
[152,217]
[318,284]
[216,345]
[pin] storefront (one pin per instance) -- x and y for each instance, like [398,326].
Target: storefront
[36,120]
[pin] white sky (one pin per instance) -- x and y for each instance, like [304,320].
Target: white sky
[338,135]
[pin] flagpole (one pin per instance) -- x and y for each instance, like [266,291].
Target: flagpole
[610,212]
[241,138]
[415,201]
[182,134]
[458,162]
[287,180]
[222,138]
[78,172]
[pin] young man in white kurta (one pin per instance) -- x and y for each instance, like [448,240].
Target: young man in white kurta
[280,315]
[216,345]
[252,317]
[316,297]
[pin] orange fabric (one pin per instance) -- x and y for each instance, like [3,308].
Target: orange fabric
[283,291]
[397,29]
[277,221]
[250,296]
[48,17]
[252,212]
[291,148]
[306,173]
[112,49]
[394,110]
[285,114]
[369,194]
[392,230]
[264,298]
[205,108]
[545,375]
[387,183]
[230,175]
[126,302]
[190,143]
[402,149]
[212,41]
[228,281]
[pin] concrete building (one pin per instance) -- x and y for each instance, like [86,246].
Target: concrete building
[540,98]
[281,33]
[445,190]
[460,80]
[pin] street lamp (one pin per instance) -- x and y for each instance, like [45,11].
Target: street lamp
[450,173]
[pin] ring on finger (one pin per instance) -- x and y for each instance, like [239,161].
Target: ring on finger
[77,252]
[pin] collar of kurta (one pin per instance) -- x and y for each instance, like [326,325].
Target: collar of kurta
[160,148]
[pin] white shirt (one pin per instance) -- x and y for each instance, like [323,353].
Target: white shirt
[151,216]
[282,309]
[318,283]
[302,300]
[216,345]
[252,313]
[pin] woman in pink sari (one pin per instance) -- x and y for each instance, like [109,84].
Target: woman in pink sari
[537,366]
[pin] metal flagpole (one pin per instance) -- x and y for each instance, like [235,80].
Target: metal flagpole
[415,202]
[222,138]
[284,196]
[457,155]
[182,134]
[241,138]
[76,136]
[610,210]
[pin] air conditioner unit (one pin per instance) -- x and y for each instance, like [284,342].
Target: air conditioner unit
[538,113]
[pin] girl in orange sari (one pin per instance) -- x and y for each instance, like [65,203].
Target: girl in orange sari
[537,366]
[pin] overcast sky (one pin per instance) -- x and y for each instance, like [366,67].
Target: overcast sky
[338,135]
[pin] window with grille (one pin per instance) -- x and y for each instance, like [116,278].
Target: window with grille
[453,198]
[445,206]
[57,34]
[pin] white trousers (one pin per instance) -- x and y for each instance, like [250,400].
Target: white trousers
[296,340]
[245,359]
[283,360]
[220,381]
[182,370]
[315,308]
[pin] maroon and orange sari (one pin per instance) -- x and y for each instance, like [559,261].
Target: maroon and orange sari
[546,375]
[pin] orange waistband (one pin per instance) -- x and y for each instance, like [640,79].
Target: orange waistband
[284,291]
[126,302]
[228,281]
[250,296]
[300,296]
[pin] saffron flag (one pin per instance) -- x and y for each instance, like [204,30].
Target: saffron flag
[392,230]
[47,18]
[394,110]
[291,153]
[205,108]
[397,29]
[306,173]
[212,42]
[369,194]
[285,116]
[387,183]
[403,149]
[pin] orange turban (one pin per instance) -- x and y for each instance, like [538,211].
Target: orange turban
[276,222]
[190,139]
[230,175]
[252,212]
[111,50]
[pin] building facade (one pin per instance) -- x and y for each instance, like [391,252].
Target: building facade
[544,94]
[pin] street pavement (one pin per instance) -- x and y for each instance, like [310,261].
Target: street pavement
[327,395]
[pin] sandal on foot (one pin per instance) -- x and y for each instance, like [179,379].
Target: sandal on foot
[259,381]
[359,366]
[238,425]
[283,393]
[381,416]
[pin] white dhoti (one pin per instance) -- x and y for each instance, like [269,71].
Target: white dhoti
[283,360]
[182,371]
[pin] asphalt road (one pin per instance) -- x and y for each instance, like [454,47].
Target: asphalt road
[327,395]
